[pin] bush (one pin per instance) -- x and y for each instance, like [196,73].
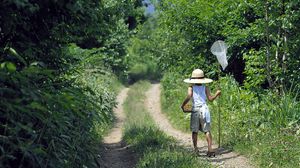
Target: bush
[261,124]
[50,120]
[138,71]
[173,93]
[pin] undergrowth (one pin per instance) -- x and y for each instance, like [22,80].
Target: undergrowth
[262,125]
[173,93]
[54,120]
[155,148]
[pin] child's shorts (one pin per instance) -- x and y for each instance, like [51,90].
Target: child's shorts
[198,123]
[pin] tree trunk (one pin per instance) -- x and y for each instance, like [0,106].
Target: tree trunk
[284,52]
[268,45]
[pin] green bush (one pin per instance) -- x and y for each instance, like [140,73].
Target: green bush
[141,71]
[141,62]
[57,98]
[265,123]
[261,124]
[174,91]
[138,71]
[51,120]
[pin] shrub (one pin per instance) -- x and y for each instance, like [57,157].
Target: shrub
[50,120]
[258,123]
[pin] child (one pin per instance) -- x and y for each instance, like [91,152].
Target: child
[200,116]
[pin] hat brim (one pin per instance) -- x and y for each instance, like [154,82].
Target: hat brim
[197,81]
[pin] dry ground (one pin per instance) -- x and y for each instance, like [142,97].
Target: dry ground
[117,155]
[224,158]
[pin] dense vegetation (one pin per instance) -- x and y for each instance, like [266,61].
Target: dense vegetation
[141,60]
[61,63]
[154,147]
[58,64]
[260,102]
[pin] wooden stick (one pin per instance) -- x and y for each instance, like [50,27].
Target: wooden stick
[219,115]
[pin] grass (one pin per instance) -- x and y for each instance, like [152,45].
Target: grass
[112,86]
[264,126]
[173,93]
[155,148]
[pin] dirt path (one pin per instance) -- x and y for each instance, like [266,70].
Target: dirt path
[224,158]
[115,153]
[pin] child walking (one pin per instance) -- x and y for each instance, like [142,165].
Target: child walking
[200,115]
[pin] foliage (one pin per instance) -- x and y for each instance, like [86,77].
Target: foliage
[140,57]
[264,121]
[263,58]
[57,97]
[155,147]
[38,29]
[173,93]
[262,124]
[115,48]
[268,28]
[50,123]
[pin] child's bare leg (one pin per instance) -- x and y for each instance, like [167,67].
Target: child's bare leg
[209,141]
[194,137]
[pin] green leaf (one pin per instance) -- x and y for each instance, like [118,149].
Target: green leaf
[11,67]
[38,106]
[13,52]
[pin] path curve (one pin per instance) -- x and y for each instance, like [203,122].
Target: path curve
[225,158]
[115,153]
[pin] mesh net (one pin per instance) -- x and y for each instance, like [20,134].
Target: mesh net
[219,49]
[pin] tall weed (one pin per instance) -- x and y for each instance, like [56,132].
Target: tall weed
[173,93]
[50,119]
[261,124]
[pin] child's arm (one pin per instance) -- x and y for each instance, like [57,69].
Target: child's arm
[188,97]
[212,97]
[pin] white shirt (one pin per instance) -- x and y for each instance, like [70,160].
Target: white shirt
[199,101]
[199,95]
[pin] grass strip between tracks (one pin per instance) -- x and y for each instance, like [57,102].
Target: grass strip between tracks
[154,147]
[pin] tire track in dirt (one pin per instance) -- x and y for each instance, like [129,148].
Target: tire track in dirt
[115,153]
[224,158]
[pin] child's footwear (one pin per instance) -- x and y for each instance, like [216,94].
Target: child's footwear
[211,154]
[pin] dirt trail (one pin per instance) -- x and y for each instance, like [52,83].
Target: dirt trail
[224,158]
[115,153]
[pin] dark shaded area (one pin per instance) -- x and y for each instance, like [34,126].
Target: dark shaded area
[236,64]
[47,117]
[117,155]
[133,77]
[132,23]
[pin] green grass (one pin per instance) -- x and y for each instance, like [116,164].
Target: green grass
[262,125]
[173,93]
[155,148]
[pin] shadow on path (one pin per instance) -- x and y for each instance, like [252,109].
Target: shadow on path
[115,153]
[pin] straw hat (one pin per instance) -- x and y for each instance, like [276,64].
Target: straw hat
[198,77]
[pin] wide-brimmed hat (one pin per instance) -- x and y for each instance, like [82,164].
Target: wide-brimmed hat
[198,77]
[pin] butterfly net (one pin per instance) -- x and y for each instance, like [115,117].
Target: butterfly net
[219,49]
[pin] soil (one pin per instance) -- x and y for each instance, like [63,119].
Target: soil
[117,155]
[224,158]
[115,152]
